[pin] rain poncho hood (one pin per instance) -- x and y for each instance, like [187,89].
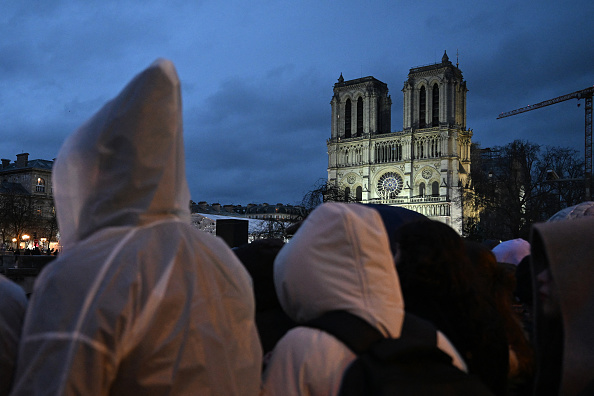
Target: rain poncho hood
[125,166]
[512,251]
[139,302]
[340,259]
[568,249]
[583,209]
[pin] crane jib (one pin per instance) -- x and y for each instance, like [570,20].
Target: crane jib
[581,94]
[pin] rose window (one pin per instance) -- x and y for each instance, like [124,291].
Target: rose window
[389,185]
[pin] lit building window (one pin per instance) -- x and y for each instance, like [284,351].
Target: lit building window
[40,187]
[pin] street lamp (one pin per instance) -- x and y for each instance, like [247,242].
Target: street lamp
[14,240]
[25,238]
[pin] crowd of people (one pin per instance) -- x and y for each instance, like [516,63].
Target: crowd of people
[141,303]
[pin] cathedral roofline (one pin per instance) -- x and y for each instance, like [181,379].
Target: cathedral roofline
[342,83]
[445,62]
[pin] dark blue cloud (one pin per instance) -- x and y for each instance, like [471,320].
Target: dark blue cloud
[257,78]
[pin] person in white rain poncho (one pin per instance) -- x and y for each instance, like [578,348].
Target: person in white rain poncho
[13,303]
[138,302]
[339,259]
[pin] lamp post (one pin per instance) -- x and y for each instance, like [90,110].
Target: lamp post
[25,238]
[14,240]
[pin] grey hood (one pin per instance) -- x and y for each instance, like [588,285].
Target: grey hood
[568,248]
[125,166]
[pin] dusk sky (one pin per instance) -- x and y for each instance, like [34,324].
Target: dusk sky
[257,76]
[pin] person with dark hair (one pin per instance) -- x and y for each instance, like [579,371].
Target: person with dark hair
[497,281]
[439,284]
[258,258]
[139,302]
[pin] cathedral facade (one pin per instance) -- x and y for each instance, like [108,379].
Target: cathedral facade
[423,167]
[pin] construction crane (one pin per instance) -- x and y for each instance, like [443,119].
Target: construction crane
[582,94]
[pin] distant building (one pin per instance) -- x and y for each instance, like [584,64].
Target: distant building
[34,175]
[264,211]
[280,212]
[424,166]
[27,184]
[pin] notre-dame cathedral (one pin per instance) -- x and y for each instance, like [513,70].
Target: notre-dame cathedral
[424,166]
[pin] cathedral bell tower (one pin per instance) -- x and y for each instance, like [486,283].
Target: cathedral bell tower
[425,166]
[435,95]
[360,107]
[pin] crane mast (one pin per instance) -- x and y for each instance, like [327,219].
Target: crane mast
[585,94]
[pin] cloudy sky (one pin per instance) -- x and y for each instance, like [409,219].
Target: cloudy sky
[257,76]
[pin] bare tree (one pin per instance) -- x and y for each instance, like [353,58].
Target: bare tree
[511,188]
[17,213]
[272,229]
[324,191]
[48,225]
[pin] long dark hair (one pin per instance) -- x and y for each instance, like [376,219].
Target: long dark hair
[499,282]
[439,284]
[432,260]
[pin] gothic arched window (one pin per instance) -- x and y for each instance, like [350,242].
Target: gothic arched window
[422,189]
[435,189]
[347,119]
[360,117]
[347,194]
[435,110]
[422,107]
[359,194]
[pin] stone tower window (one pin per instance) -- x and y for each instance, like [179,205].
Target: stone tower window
[422,189]
[359,194]
[435,110]
[347,119]
[347,194]
[422,107]
[360,117]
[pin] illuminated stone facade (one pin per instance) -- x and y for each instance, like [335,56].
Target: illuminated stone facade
[424,166]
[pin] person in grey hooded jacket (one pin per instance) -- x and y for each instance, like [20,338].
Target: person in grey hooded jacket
[138,302]
[563,273]
[339,259]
